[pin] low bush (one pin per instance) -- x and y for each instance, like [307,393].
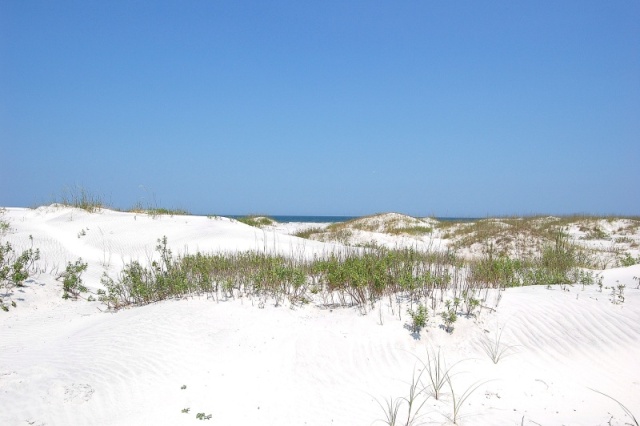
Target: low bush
[257,221]
[72,284]
[15,269]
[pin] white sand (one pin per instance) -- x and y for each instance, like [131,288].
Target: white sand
[68,363]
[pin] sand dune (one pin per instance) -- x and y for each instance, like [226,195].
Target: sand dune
[72,363]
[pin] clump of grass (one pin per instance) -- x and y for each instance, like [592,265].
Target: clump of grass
[160,211]
[437,372]
[494,348]
[459,399]
[413,405]
[257,221]
[556,264]
[308,232]
[411,230]
[348,279]
[81,198]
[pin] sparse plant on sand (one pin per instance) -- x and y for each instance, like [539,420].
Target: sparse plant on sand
[4,224]
[81,198]
[494,348]
[628,260]
[617,293]
[72,284]
[15,269]
[412,402]
[449,316]
[203,416]
[458,400]
[186,410]
[257,221]
[419,317]
[470,304]
[627,412]
[437,372]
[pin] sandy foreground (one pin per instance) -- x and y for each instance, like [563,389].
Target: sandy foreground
[66,362]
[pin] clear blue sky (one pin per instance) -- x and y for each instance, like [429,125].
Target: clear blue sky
[448,108]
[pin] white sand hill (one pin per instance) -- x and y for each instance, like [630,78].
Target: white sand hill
[65,362]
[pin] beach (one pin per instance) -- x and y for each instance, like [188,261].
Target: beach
[569,351]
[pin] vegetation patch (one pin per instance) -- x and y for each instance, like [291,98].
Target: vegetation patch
[257,221]
[81,198]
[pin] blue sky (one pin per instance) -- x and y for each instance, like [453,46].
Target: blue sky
[448,108]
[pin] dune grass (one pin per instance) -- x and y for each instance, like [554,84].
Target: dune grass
[81,198]
[257,221]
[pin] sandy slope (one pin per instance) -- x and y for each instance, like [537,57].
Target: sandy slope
[68,363]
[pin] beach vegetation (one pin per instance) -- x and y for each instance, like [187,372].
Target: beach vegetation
[72,284]
[437,372]
[257,221]
[458,400]
[419,318]
[81,198]
[15,269]
[203,416]
[495,348]
[308,232]
[624,408]
[412,404]
[449,316]
[4,223]
[628,260]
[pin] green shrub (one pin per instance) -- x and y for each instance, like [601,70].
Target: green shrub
[72,280]
[449,317]
[419,318]
[15,269]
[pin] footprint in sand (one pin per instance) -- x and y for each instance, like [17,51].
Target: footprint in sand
[75,393]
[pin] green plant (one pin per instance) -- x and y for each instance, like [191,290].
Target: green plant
[391,409]
[81,198]
[458,400]
[437,372]
[419,318]
[72,279]
[257,221]
[393,406]
[628,260]
[4,224]
[15,269]
[449,316]
[494,348]
[308,232]
[617,293]
[470,304]
[203,416]
[186,410]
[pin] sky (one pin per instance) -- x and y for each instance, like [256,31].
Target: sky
[444,108]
